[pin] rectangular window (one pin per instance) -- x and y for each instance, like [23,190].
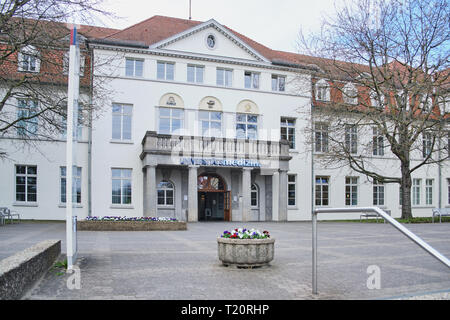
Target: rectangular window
[251,80]
[254,196]
[429,191]
[26,183]
[291,189]
[278,83]
[287,127]
[171,120]
[322,191]
[416,191]
[246,126]
[121,186]
[28,62]
[76,194]
[210,123]
[27,108]
[224,77]
[427,142]
[121,121]
[165,70]
[195,73]
[78,131]
[377,142]
[321,137]
[351,191]
[134,67]
[351,138]
[378,193]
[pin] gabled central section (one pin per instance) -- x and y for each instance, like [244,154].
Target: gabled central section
[209,38]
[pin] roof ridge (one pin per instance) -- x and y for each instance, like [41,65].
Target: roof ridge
[148,19]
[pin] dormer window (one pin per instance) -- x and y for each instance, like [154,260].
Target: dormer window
[66,63]
[350,94]
[28,59]
[322,90]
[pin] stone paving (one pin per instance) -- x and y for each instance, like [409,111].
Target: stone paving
[179,265]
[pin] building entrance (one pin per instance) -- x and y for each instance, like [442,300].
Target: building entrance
[213,199]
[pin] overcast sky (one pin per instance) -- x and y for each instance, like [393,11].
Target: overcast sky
[274,23]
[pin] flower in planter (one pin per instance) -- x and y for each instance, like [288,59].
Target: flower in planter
[124,218]
[244,233]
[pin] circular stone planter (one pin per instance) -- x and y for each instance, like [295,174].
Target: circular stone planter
[246,253]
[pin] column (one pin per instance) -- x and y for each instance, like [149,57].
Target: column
[275,195]
[150,192]
[246,194]
[282,204]
[192,195]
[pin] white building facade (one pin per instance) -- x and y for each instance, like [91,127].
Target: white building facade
[199,125]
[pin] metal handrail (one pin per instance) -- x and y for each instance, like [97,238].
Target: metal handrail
[383,214]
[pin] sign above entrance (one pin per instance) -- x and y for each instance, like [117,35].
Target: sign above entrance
[221,162]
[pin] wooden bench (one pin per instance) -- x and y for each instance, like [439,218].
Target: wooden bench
[373,215]
[441,212]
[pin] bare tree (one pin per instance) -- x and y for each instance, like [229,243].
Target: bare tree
[383,86]
[34,41]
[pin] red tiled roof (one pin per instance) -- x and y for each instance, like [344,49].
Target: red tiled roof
[158,28]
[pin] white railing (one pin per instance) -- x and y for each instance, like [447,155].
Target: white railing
[436,254]
[162,143]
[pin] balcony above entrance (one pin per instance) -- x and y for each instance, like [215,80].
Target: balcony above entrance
[210,151]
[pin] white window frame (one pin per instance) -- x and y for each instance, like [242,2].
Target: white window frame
[123,115]
[351,138]
[226,78]
[350,94]
[322,90]
[123,179]
[25,175]
[171,118]
[319,190]
[246,124]
[164,76]
[165,190]
[377,143]
[292,184]
[378,194]
[321,137]
[30,126]
[254,79]
[134,70]
[427,142]
[210,132]
[254,191]
[416,190]
[374,99]
[288,124]
[28,52]
[429,185]
[77,173]
[195,75]
[351,191]
[277,84]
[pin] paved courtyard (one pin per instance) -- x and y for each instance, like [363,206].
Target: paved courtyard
[184,264]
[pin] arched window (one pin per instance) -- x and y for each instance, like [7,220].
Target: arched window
[322,90]
[165,193]
[254,195]
[350,94]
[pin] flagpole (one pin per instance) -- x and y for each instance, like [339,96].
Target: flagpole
[72,112]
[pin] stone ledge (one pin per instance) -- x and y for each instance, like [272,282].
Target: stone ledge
[85,225]
[19,272]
